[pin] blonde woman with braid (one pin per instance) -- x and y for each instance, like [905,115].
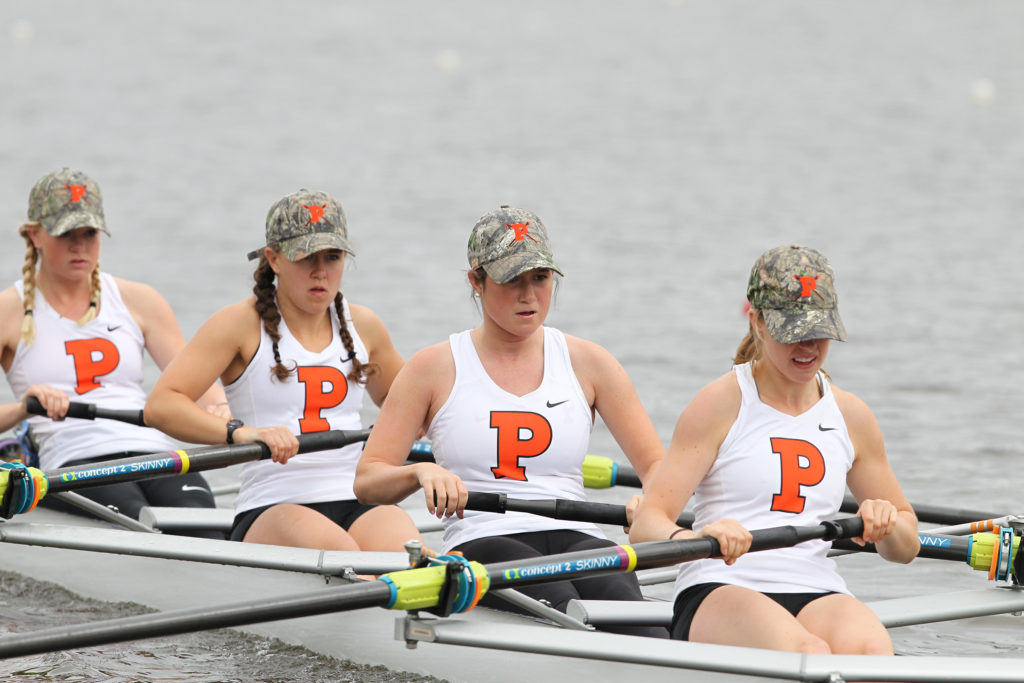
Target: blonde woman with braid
[295,358]
[70,331]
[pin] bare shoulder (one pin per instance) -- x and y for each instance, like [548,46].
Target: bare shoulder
[12,312]
[139,296]
[721,396]
[709,416]
[240,317]
[860,421]
[368,324]
[433,361]
[589,358]
[10,302]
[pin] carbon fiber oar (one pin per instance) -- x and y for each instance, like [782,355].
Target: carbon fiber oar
[22,487]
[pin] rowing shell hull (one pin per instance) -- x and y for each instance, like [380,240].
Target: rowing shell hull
[368,636]
[365,636]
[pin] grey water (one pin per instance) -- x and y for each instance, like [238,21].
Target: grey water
[665,144]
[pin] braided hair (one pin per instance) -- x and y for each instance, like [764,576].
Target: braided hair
[28,276]
[266,306]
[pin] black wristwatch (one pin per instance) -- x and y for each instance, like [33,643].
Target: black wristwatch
[233,424]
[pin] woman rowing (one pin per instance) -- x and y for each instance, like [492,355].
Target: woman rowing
[773,442]
[69,328]
[509,407]
[295,358]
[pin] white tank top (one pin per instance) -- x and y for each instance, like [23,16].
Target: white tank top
[528,446]
[99,362]
[317,396]
[775,469]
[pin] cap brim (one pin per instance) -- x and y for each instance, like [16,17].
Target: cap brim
[512,266]
[298,248]
[790,327]
[75,220]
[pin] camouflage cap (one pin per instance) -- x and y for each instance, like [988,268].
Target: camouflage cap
[303,223]
[507,242]
[794,287]
[64,200]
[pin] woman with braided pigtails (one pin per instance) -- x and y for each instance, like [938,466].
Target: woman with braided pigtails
[69,329]
[294,358]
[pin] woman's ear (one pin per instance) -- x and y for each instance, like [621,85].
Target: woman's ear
[32,230]
[272,257]
[474,283]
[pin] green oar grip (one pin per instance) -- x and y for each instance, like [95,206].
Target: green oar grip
[994,552]
[421,589]
[599,472]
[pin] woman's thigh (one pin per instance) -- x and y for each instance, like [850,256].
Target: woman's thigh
[732,615]
[847,625]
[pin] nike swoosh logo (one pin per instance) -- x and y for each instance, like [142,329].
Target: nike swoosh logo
[186,488]
[825,429]
[111,328]
[552,405]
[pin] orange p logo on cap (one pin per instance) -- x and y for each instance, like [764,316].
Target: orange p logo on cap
[807,284]
[520,231]
[316,212]
[77,191]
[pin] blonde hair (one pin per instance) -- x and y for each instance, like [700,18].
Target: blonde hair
[750,348]
[28,276]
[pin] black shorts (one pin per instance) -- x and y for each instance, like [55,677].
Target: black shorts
[344,513]
[690,599]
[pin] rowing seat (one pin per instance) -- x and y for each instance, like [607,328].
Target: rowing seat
[621,612]
[187,519]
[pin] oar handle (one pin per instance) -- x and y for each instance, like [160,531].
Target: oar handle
[558,508]
[89,411]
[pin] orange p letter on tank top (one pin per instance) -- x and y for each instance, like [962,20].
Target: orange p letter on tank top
[511,447]
[801,464]
[325,388]
[93,358]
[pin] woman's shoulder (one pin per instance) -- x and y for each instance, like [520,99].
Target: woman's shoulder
[719,399]
[856,413]
[584,352]
[12,312]
[439,354]
[365,320]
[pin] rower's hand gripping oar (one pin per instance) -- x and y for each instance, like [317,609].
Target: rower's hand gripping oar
[90,411]
[460,582]
[997,553]
[22,487]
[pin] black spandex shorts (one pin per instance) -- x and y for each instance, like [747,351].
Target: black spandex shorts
[344,513]
[690,599]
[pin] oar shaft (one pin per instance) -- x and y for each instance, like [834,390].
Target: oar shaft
[617,559]
[193,460]
[89,411]
[347,597]
[932,547]
[558,508]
